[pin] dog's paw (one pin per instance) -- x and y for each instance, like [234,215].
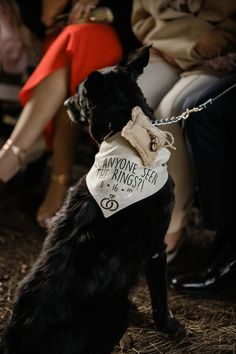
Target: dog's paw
[126,342]
[171,325]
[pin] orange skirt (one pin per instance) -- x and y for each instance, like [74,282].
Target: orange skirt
[83,48]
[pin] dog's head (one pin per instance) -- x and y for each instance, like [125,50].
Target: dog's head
[107,96]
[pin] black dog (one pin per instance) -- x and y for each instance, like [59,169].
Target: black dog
[75,298]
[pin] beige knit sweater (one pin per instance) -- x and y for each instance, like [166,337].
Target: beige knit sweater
[175,32]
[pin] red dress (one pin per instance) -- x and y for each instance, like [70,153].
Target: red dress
[83,47]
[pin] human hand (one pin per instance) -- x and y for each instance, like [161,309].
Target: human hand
[214,43]
[82,9]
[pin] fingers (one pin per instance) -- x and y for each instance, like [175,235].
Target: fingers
[88,10]
[76,13]
[81,10]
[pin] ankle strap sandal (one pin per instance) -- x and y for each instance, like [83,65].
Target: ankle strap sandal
[61,179]
[17,151]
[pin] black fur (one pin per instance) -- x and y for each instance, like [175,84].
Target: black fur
[75,298]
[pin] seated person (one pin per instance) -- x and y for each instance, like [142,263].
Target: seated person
[211,137]
[187,39]
[71,55]
[20,51]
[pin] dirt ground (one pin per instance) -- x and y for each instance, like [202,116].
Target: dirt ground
[210,322]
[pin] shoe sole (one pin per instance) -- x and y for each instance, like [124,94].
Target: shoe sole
[225,290]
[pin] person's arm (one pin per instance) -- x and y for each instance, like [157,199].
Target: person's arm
[175,36]
[53,17]
[52,9]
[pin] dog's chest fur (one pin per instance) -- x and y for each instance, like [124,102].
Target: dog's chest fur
[111,249]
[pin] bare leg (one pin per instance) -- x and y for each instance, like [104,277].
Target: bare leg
[46,100]
[180,167]
[182,172]
[63,153]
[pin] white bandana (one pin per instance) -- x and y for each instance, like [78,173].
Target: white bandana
[119,178]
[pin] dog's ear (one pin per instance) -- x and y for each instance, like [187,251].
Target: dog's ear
[136,61]
[95,85]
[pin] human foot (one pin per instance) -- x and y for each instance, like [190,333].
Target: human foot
[53,200]
[174,242]
[216,276]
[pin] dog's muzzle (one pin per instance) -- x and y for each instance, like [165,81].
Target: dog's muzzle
[78,105]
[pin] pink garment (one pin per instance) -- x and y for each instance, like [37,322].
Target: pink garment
[14,56]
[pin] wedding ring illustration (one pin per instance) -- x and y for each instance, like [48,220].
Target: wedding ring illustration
[109,204]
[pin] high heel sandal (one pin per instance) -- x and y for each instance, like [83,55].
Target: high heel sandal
[44,217]
[18,152]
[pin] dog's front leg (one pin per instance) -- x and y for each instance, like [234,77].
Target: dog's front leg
[157,282]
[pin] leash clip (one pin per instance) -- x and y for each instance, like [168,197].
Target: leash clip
[188,111]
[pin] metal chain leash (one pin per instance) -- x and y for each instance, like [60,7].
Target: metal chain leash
[189,111]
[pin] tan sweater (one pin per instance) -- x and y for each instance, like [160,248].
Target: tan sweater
[175,32]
